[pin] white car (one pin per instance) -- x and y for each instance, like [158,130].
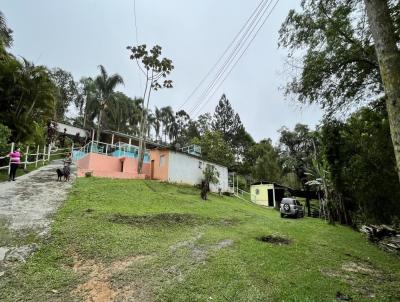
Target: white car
[291,207]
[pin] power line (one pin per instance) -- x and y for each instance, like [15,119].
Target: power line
[221,57]
[137,43]
[238,59]
[256,20]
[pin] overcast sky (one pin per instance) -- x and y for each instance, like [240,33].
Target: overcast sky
[78,35]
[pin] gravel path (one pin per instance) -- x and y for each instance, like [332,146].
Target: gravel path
[28,202]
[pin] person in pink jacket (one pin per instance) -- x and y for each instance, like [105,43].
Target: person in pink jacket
[15,160]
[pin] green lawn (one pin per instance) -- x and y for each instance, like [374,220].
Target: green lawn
[149,241]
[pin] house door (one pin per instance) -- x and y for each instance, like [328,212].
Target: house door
[270,198]
[152,170]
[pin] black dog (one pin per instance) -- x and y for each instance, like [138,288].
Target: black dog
[60,174]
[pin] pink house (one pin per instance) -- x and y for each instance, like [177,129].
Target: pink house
[101,165]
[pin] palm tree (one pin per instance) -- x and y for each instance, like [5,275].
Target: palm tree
[135,115]
[150,122]
[6,38]
[157,122]
[167,118]
[106,85]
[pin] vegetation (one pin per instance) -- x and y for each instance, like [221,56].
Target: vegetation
[348,162]
[332,46]
[155,241]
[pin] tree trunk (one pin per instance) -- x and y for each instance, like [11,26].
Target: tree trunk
[98,125]
[308,205]
[383,32]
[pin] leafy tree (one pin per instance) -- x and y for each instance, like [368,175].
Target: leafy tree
[27,98]
[106,85]
[296,150]
[266,166]
[204,123]
[362,165]
[182,120]
[296,153]
[215,148]
[67,91]
[211,176]
[338,66]
[154,69]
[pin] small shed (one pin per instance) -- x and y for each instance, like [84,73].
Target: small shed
[267,193]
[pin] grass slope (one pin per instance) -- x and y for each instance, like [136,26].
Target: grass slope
[149,241]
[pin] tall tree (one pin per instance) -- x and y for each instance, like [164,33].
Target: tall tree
[157,122]
[225,120]
[266,166]
[204,123]
[338,66]
[167,118]
[27,97]
[215,148]
[67,92]
[362,166]
[154,69]
[106,85]
[386,39]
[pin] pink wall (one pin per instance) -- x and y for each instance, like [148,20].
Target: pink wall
[160,171]
[113,167]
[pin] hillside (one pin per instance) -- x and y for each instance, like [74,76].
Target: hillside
[150,241]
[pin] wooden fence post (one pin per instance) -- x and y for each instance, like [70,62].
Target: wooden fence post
[37,156]
[49,153]
[237,184]
[9,162]
[44,155]
[26,156]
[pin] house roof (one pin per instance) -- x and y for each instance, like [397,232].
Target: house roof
[264,182]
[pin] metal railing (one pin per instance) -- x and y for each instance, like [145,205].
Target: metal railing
[118,149]
[246,196]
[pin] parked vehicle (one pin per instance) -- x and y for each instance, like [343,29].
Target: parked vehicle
[291,207]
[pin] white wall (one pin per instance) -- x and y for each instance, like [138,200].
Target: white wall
[71,130]
[185,169]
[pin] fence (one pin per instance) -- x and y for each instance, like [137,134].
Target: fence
[239,193]
[41,156]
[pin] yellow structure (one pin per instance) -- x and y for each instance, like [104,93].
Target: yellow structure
[267,194]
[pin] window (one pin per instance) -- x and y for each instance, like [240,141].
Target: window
[200,165]
[257,191]
[162,160]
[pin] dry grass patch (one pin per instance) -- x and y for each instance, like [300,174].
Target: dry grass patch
[98,286]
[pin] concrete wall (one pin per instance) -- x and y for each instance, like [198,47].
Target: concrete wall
[71,130]
[187,169]
[160,171]
[108,166]
[262,197]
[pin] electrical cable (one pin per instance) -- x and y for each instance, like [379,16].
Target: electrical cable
[238,59]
